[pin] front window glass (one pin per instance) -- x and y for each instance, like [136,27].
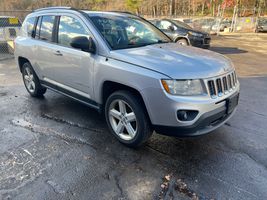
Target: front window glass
[70,28]
[127,31]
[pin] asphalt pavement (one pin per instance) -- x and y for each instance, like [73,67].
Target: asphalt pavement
[57,148]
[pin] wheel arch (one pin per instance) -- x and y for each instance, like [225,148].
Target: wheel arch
[182,37]
[21,62]
[110,87]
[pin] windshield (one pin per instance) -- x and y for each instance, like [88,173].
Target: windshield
[123,32]
[181,24]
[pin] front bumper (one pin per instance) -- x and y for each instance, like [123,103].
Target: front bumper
[200,42]
[205,124]
[212,112]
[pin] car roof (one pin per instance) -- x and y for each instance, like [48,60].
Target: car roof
[89,12]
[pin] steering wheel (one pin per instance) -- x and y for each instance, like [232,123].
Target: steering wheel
[134,39]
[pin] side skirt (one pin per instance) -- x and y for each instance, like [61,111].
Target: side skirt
[72,95]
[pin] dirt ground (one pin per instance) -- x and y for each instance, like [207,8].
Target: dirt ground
[57,148]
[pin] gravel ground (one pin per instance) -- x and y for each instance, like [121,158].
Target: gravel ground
[56,148]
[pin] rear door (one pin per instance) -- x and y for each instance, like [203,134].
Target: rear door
[45,45]
[72,68]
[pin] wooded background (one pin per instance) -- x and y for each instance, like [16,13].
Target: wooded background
[149,7]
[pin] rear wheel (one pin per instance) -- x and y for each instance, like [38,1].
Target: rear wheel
[127,119]
[182,42]
[31,81]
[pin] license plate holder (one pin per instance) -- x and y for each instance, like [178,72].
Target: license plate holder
[231,103]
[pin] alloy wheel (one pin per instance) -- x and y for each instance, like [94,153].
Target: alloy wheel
[123,119]
[29,80]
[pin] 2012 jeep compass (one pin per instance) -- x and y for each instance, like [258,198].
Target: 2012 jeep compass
[124,66]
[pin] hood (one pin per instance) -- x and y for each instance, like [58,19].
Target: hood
[176,61]
[205,34]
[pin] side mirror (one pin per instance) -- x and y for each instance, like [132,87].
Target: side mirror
[171,28]
[83,43]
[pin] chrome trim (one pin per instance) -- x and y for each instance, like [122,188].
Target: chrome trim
[67,87]
[228,84]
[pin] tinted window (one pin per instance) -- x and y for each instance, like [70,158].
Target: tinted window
[47,28]
[70,28]
[30,26]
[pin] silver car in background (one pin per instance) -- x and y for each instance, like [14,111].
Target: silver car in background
[120,64]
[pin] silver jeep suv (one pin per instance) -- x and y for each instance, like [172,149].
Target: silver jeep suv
[122,65]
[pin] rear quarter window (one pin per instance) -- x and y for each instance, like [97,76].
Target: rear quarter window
[28,26]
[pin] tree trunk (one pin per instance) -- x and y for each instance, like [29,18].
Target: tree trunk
[203,7]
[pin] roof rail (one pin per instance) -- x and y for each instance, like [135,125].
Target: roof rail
[55,7]
[124,12]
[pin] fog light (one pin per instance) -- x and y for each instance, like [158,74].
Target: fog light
[182,115]
[186,115]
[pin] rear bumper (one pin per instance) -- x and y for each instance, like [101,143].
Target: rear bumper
[205,124]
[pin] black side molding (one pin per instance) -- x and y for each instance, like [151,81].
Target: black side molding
[75,96]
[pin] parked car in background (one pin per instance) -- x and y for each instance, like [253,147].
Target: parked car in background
[126,68]
[261,25]
[182,33]
[188,22]
[204,24]
[220,25]
[9,29]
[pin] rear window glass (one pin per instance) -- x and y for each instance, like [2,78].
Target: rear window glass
[10,22]
[47,28]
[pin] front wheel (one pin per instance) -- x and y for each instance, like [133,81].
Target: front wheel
[127,119]
[31,81]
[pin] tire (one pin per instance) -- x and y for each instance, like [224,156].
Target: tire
[182,42]
[31,81]
[119,117]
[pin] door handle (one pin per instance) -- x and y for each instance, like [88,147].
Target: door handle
[58,53]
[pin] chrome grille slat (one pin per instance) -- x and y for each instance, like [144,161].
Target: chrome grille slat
[221,85]
[233,79]
[229,82]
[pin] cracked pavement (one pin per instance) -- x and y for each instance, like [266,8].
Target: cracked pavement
[57,148]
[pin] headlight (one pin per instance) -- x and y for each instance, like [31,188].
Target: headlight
[195,34]
[183,87]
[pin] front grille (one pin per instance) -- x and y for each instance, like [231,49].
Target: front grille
[222,85]
[12,32]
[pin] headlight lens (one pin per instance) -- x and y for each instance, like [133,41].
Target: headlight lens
[195,34]
[183,87]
